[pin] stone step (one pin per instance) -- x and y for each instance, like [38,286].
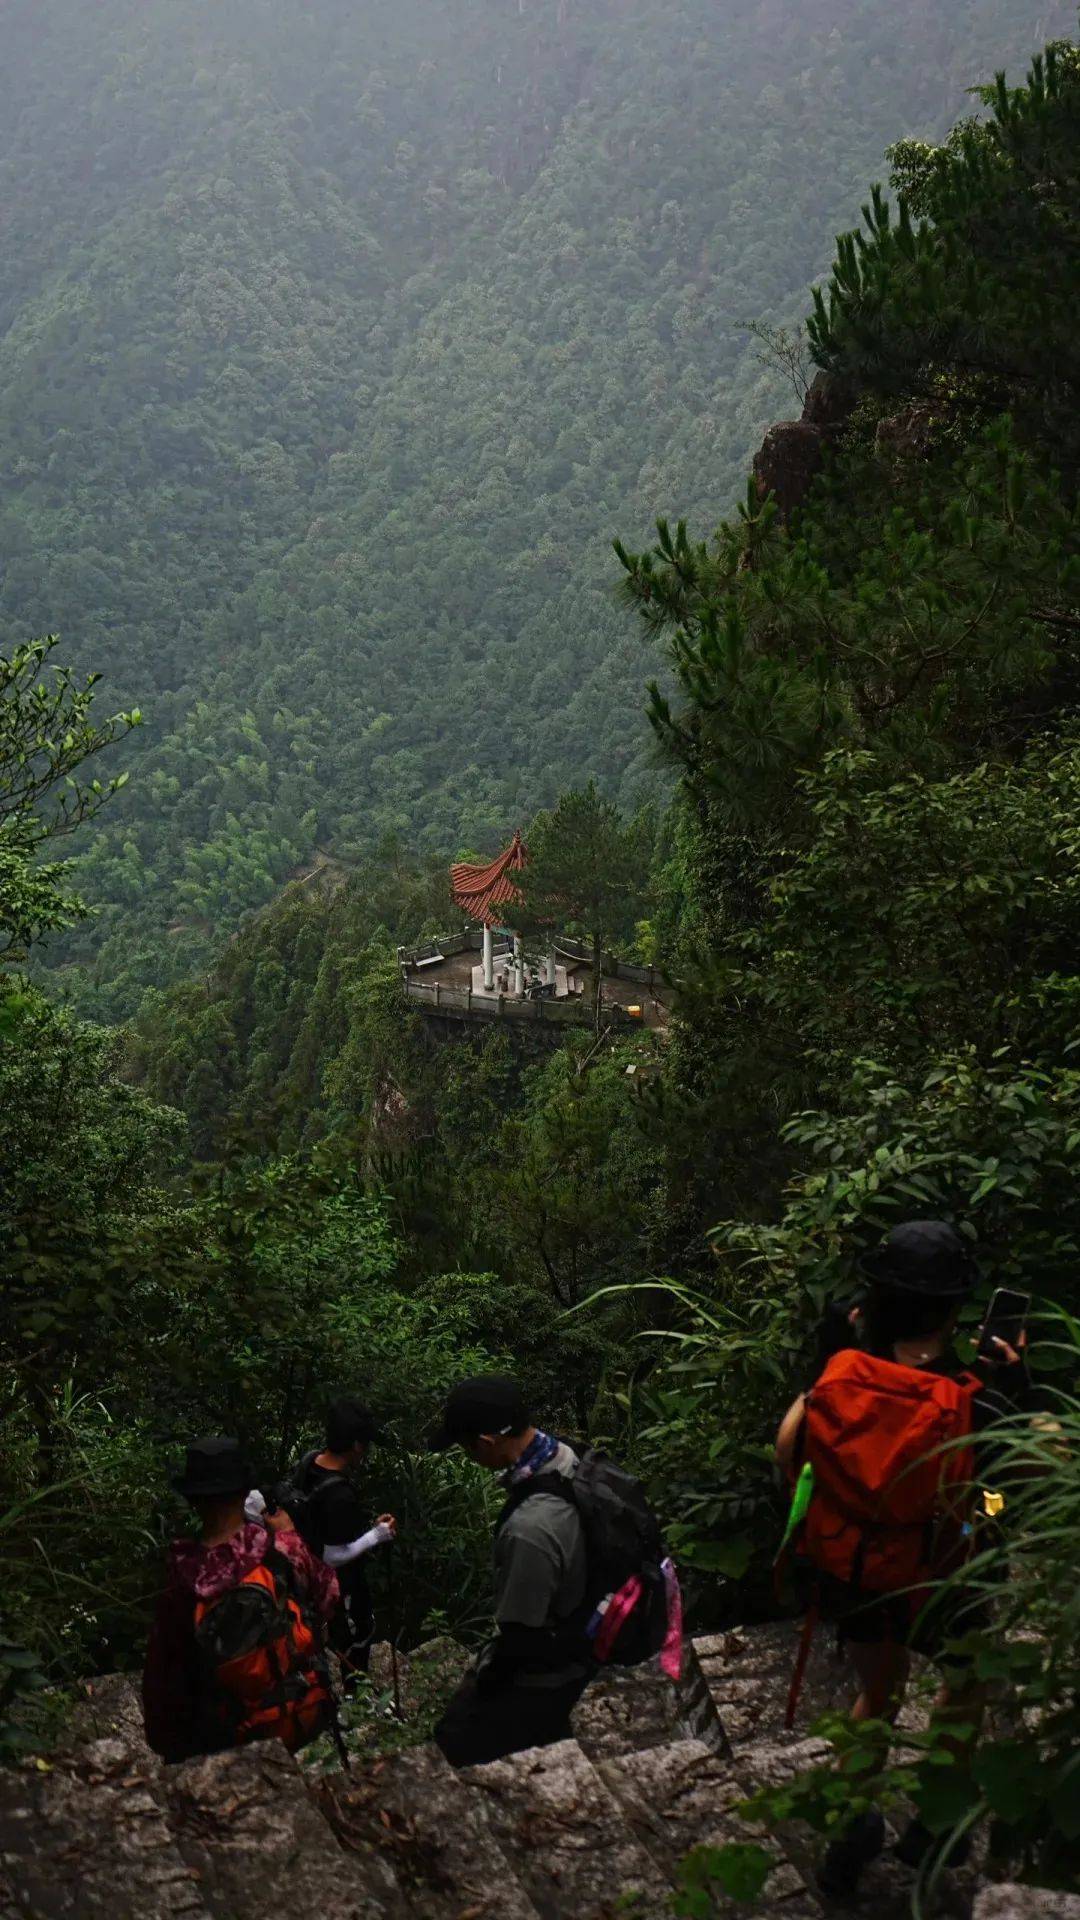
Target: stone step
[746,1675]
[743,1678]
[90,1840]
[626,1710]
[567,1837]
[412,1810]
[683,1795]
[248,1825]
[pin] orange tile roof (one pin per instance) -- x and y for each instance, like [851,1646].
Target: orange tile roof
[480,891]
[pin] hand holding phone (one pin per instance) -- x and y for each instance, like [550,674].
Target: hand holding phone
[1003,1332]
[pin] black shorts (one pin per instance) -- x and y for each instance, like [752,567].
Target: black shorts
[869,1620]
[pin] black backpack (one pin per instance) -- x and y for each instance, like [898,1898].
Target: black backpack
[622,1538]
[303,1502]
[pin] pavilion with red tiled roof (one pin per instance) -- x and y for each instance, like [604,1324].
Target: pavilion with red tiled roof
[480,892]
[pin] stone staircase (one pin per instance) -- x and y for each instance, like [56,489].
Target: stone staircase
[590,1829]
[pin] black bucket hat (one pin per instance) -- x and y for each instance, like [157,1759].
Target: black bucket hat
[213,1467]
[488,1403]
[926,1257]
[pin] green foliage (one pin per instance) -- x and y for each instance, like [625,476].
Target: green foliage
[275,1183]
[46,736]
[21,1686]
[138,1310]
[736,1871]
[977,275]
[911,640]
[586,871]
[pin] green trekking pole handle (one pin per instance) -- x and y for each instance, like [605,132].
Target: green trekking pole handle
[800,1502]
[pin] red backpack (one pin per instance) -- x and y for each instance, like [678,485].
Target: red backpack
[891,1485]
[263,1673]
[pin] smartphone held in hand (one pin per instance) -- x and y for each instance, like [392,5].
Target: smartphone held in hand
[1006,1319]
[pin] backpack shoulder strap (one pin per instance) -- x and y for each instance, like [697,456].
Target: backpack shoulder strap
[330,1478]
[558,1484]
[280,1568]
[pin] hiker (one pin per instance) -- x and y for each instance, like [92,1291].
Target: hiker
[235,1649]
[330,1515]
[532,1672]
[580,1577]
[890,1513]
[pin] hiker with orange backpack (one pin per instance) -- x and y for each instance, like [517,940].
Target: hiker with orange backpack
[882,1453]
[235,1651]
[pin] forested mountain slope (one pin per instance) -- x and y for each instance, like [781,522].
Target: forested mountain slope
[335,341]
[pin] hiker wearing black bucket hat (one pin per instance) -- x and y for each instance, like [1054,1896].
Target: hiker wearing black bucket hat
[893,1420]
[234,1650]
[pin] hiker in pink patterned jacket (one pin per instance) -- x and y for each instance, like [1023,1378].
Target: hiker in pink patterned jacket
[200,1573]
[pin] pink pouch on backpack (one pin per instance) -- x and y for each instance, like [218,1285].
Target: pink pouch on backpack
[618,1607]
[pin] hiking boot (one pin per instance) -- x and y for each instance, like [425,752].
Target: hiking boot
[861,1841]
[917,1843]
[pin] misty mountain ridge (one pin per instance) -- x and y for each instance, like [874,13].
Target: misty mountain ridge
[337,341]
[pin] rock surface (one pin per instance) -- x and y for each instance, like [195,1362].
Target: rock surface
[1026,1903]
[92,1838]
[567,1835]
[585,1830]
[243,1820]
[792,453]
[415,1814]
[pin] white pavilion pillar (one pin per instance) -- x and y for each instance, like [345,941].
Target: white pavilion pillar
[549,965]
[519,967]
[489,961]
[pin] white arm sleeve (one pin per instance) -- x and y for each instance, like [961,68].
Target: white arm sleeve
[255,1505]
[352,1549]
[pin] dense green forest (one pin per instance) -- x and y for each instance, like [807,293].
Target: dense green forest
[336,342]
[860,869]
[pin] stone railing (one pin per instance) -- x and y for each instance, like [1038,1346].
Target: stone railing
[579,953]
[433,997]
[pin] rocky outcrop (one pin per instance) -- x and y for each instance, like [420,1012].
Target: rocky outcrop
[595,1826]
[792,453]
[904,436]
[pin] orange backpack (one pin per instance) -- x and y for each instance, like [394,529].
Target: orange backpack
[263,1671]
[892,1486]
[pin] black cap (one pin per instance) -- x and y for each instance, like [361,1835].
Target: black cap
[488,1403]
[926,1257]
[213,1467]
